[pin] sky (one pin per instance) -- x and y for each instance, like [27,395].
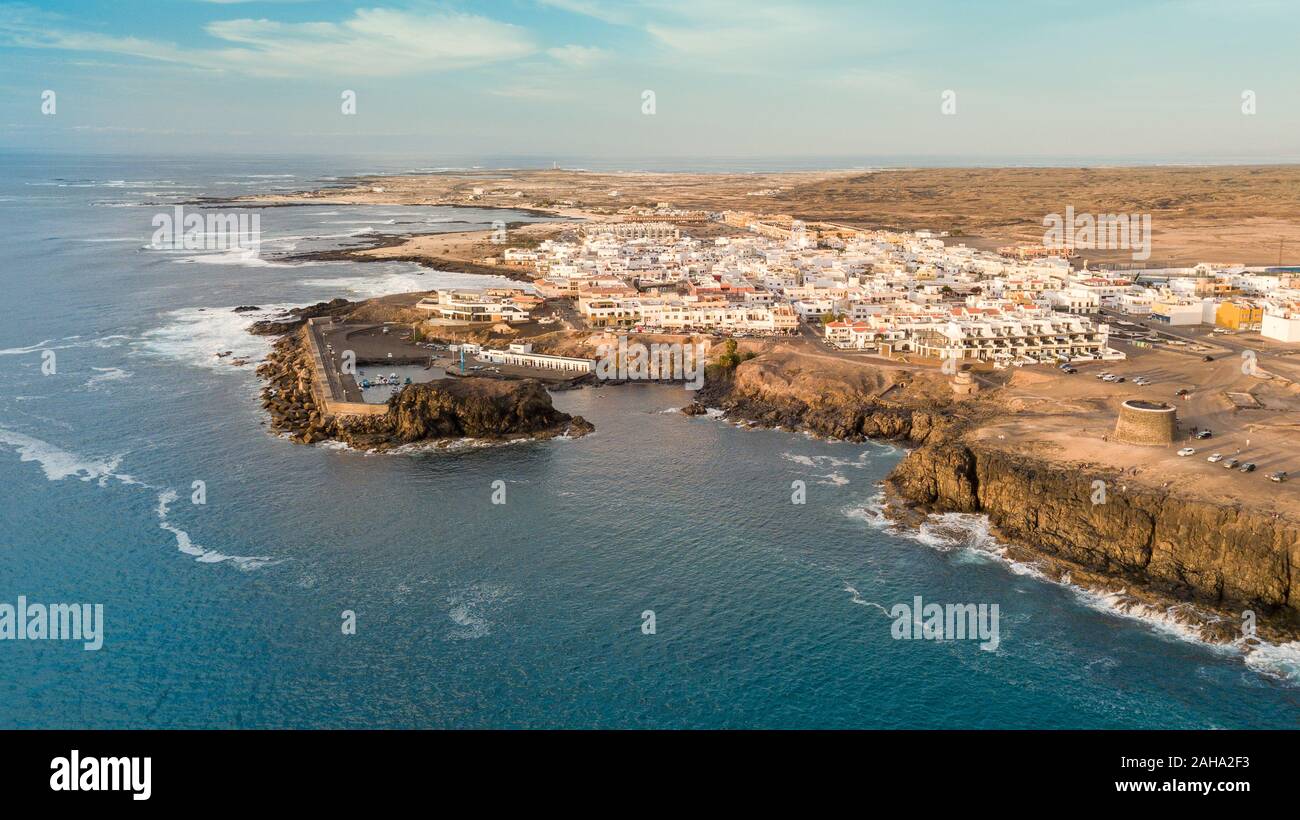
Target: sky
[864,79]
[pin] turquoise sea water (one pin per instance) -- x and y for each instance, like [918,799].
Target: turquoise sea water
[470,614]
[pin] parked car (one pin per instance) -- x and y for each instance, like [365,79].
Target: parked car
[1070,370]
[1184,392]
[1207,358]
[1248,467]
[1187,451]
[1103,374]
[1118,379]
[1109,378]
[1279,476]
[1230,463]
[1204,434]
[1216,458]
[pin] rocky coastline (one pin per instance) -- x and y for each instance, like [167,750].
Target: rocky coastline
[296,317]
[766,395]
[1148,545]
[1148,549]
[361,253]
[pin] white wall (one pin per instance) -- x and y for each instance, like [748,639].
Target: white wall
[1280,329]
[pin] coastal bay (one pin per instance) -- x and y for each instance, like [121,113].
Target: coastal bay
[791,385]
[471,614]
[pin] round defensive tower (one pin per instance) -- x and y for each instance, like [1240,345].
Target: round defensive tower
[962,382]
[1146,422]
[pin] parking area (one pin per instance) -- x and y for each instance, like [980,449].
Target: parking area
[377,349]
[1251,419]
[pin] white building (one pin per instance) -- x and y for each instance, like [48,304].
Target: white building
[1027,337]
[1281,322]
[522,355]
[471,307]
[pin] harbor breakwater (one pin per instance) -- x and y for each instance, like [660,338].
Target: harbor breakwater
[295,396]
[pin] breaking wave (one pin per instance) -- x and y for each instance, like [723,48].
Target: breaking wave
[59,464]
[971,533]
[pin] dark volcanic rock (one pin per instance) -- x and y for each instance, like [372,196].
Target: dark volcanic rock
[490,409]
[479,408]
[297,317]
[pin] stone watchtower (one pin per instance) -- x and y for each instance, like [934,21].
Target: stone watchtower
[1146,422]
[962,383]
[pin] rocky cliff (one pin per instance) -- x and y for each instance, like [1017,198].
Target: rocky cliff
[1150,541]
[850,403]
[1147,546]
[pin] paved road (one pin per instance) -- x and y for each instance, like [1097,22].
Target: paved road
[1283,361]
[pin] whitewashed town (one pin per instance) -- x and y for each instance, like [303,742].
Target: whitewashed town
[920,295]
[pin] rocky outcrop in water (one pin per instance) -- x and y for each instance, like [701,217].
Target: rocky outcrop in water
[452,409]
[447,410]
[297,317]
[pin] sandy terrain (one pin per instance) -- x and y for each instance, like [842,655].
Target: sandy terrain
[464,246]
[1228,214]
[1070,418]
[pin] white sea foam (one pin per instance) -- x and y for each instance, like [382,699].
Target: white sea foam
[824,461]
[470,609]
[66,343]
[195,335]
[382,285]
[970,534]
[243,257]
[59,464]
[460,444]
[872,512]
[1276,660]
[407,280]
[204,556]
[860,601]
[106,374]
[19,351]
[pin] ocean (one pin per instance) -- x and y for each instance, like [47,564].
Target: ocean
[470,614]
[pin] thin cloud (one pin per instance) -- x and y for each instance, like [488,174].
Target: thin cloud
[590,8]
[372,43]
[578,56]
